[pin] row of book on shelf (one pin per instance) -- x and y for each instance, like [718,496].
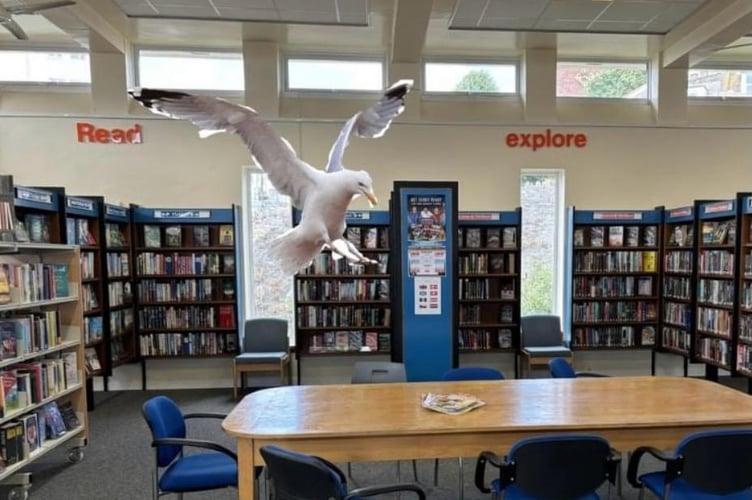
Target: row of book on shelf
[188,344]
[490,237]
[479,339]
[33,282]
[349,341]
[618,236]
[173,236]
[368,237]
[482,263]
[613,336]
[23,334]
[222,316]
[185,264]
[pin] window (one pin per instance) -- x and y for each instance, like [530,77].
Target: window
[44,67]
[308,73]
[627,80]
[268,293]
[471,78]
[191,70]
[706,82]
[542,202]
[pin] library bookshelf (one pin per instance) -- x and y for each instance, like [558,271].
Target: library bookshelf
[679,277]
[744,289]
[614,278]
[488,271]
[345,309]
[42,365]
[186,283]
[716,285]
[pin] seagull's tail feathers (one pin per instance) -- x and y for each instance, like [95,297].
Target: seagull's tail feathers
[292,251]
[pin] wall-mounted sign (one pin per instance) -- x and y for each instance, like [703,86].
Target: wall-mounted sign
[547,139]
[90,133]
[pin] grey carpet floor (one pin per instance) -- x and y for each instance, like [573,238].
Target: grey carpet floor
[118,459]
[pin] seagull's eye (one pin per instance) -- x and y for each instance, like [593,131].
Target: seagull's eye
[360,184]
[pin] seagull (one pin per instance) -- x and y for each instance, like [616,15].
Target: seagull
[322,196]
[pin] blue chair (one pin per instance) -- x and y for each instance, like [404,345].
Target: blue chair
[295,476]
[459,374]
[178,473]
[561,368]
[705,465]
[571,466]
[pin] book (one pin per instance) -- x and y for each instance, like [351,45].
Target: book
[70,419]
[615,236]
[201,236]
[509,239]
[352,234]
[92,360]
[493,237]
[173,236]
[472,238]
[633,236]
[579,237]
[31,433]
[450,404]
[152,236]
[228,264]
[38,227]
[596,236]
[226,235]
[650,236]
[371,239]
[53,420]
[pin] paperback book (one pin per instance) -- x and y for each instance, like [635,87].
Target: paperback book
[451,404]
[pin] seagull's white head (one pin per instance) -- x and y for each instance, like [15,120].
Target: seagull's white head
[361,184]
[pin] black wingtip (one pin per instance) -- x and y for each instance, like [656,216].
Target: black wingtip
[399,89]
[148,97]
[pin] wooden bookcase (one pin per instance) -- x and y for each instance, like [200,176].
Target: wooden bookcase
[716,284]
[488,271]
[343,308]
[186,282]
[743,335]
[42,364]
[676,332]
[615,278]
[119,319]
[40,212]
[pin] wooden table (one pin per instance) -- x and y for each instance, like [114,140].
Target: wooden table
[386,422]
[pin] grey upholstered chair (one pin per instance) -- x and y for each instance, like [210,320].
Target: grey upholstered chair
[380,372]
[541,340]
[266,348]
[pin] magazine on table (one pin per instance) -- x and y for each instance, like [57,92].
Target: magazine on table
[451,404]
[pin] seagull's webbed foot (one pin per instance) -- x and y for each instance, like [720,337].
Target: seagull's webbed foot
[347,250]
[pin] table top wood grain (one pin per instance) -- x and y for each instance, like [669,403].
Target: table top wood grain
[566,405]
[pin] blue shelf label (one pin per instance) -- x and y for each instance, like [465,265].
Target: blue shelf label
[478,216]
[364,215]
[31,195]
[681,212]
[116,211]
[182,214]
[747,201]
[719,206]
[80,204]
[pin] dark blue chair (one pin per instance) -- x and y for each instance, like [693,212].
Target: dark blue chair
[561,368]
[460,374]
[179,473]
[705,465]
[295,476]
[571,466]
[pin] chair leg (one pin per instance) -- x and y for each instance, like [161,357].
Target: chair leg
[462,480]
[436,472]
[415,471]
[234,381]
[349,470]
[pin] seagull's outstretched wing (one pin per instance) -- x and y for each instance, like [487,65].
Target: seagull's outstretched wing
[287,173]
[371,123]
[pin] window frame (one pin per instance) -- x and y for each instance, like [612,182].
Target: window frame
[511,61]
[601,60]
[136,69]
[336,57]
[23,86]
[715,99]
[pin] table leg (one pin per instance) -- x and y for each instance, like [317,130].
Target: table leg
[246,467]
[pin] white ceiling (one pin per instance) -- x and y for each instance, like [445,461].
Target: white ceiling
[592,16]
[338,28]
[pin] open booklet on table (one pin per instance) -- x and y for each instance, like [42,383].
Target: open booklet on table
[451,404]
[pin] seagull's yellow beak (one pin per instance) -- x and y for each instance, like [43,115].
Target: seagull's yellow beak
[372,200]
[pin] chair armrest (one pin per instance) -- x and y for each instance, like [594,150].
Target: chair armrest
[590,374]
[196,443]
[634,462]
[205,415]
[369,491]
[480,468]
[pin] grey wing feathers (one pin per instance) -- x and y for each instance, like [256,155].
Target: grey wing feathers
[289,175]
[371,122]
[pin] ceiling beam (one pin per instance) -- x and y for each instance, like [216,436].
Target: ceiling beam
[101,17]
[409,29]
[713,26]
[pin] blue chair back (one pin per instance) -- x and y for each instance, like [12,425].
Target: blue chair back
[542,330]
[560,368]
[473,373]
[165,420]
[296,476]
[265,335]
[717,462]
[559,466]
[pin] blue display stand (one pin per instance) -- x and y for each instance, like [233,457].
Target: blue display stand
[425,316]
